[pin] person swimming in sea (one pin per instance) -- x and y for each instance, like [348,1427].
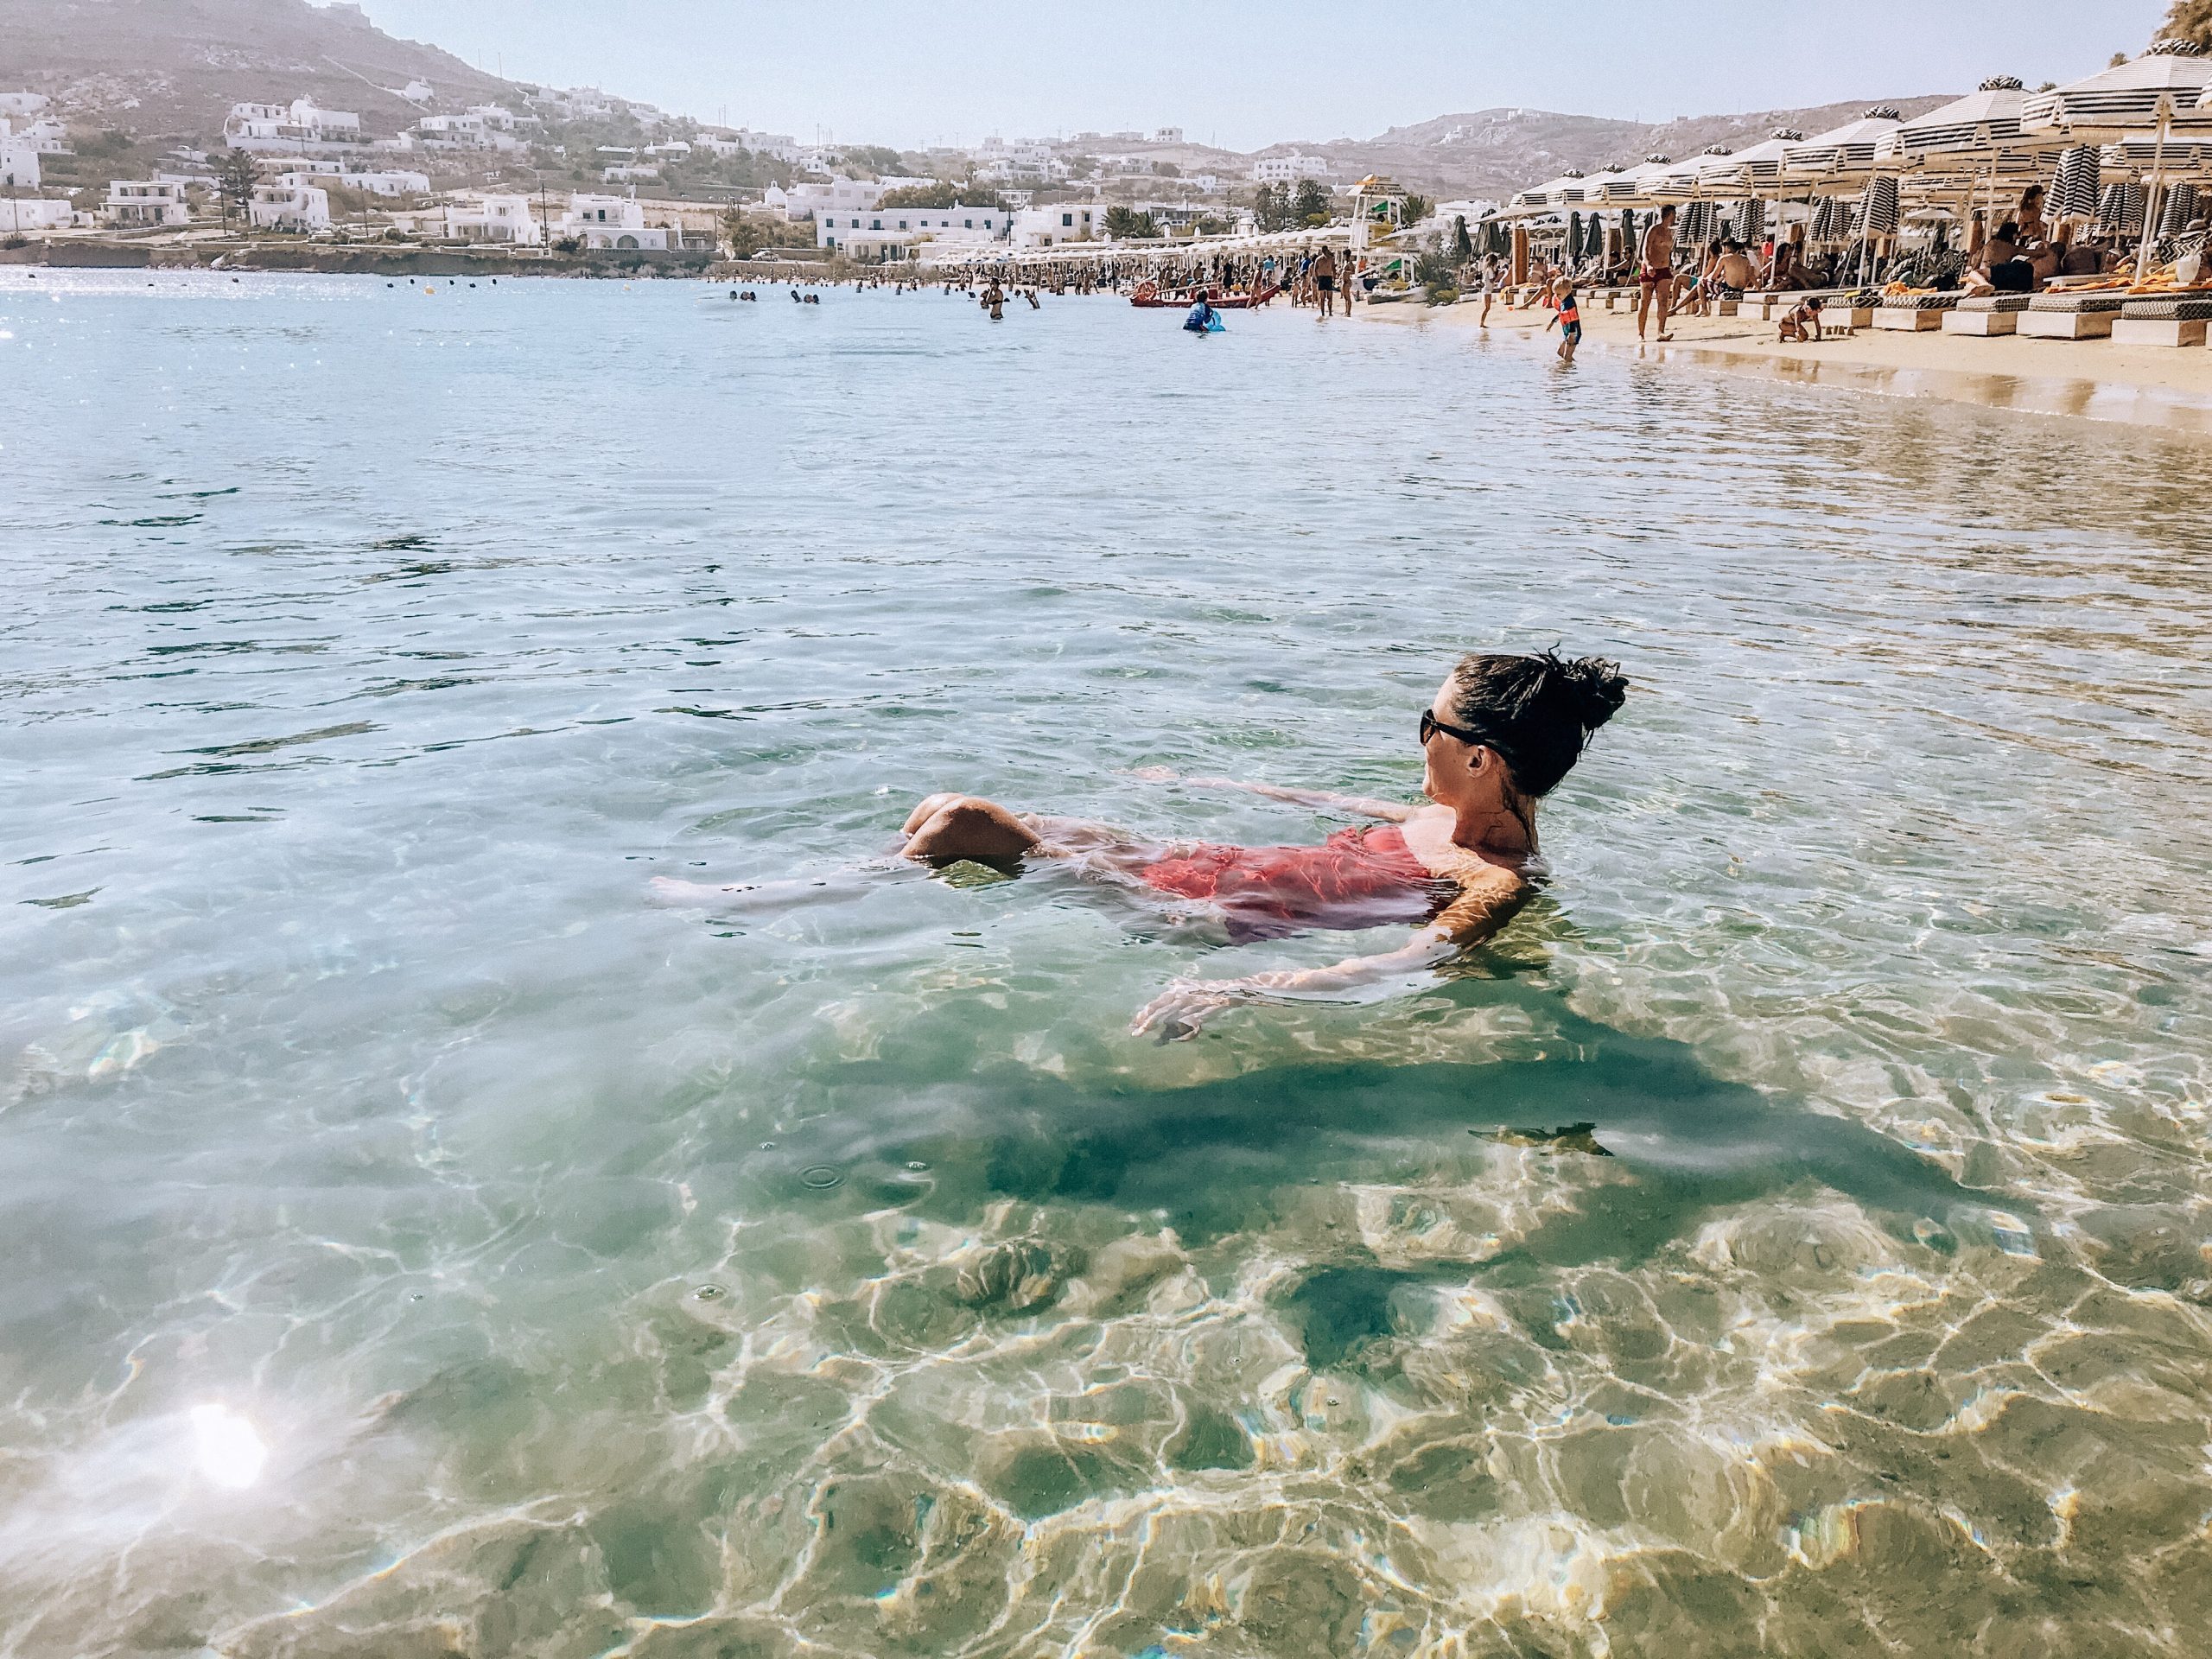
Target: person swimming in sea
[1501,733]
[1201,318]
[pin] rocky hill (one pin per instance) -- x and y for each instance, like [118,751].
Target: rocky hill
[172,68]
[1493,153]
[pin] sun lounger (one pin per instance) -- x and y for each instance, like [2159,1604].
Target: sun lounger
[2072,316]
[2178,321]
[1985,315]
[1914,313]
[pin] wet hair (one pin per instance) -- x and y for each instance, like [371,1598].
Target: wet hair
[1536,713]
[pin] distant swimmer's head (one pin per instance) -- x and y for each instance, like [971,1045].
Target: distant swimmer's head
[1510,728]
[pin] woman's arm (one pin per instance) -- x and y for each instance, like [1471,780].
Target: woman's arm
[1482,908]
[1366,806]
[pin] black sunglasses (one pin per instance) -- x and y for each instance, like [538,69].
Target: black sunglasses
[1430,724]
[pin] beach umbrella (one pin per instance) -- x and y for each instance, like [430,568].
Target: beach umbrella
[1750,221]
[2163,89]
[1574,238]
[2120,212]
[1690,225]
[1756,171]
[2075,188]
[1844,154]
[1630,184]
[1879,207]
[2181,207]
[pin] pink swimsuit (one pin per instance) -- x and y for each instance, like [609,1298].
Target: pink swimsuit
[1357,878]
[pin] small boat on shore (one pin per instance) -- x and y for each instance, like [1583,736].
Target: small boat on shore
[1148,297]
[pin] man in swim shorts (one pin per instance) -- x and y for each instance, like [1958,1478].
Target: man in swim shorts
[1658,277]
[1325,281]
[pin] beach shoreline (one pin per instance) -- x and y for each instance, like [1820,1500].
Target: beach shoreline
[2170,389]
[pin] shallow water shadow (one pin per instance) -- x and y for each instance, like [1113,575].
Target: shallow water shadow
[1226,1156]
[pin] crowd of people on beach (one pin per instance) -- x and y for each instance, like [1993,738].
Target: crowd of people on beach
[2022,253]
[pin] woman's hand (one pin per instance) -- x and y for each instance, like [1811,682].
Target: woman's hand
[1178,1012]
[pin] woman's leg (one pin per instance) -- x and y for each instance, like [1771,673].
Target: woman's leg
[946,827]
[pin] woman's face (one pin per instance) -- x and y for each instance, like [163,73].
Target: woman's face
[1450,769]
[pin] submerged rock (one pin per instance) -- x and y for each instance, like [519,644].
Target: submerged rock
[1018,1277]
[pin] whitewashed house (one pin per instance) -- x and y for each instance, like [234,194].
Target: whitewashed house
[281,206]
[882,233]
[297,126]
[495,218]
[610,222]
[21,214]
[133,203]
[1051,226]
[22,104]
[1288,170]
[18,161]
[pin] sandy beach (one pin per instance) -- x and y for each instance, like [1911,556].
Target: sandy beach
[2092,379]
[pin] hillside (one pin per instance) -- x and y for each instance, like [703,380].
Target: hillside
[1493,153]
[174,68]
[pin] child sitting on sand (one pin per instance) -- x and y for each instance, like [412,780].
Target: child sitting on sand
[1802,322]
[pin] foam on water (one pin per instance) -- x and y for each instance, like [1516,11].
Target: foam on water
[1791,1236]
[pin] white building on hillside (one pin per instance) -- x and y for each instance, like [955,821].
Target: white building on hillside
[629,172]
[18,161]
[1168,135]
[133,202]
[1288,170]
[22,104]
[45,135]
[470,130]
[384,182]
[22,213]
[280,207]
[1059,222]
[900,232]
[610,222]
[839,195]
[297,126]
[781,145]
[494,218]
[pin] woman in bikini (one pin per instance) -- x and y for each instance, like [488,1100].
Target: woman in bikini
[1501,733]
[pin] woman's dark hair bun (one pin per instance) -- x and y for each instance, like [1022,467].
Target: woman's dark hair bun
[1597,687]
[1536,712]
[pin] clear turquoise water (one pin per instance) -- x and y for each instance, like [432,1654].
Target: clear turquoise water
[556,1272]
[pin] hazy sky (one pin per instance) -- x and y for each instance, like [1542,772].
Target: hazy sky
[1244,74]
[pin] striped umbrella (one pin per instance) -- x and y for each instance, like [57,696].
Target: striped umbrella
[1824,225]
[2120,210]
[2181,207]
[2074,191]
[1880,206]
[1751,222]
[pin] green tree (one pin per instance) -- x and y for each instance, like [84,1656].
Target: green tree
[1310,205]
[941,193]
[745,234]
[236,175]
[1128,225]
[2190,19]
[1269,211]
[1415,209]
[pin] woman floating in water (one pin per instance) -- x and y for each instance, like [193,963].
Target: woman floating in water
[1500,734]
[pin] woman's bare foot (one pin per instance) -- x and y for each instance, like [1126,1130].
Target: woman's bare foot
[964,826]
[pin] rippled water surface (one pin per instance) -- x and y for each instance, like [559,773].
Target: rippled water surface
[419,1241]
